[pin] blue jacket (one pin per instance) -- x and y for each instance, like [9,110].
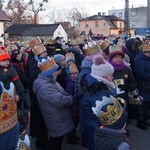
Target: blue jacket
[142,67]
[92,90]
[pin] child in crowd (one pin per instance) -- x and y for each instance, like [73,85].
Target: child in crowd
[113,118]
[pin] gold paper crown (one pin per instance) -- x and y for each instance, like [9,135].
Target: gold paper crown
[49,41]
[115,48]
[70,57]
[47,65]
[35,41]
[73,68]
[103,44]
[92,50]
[112,114]
[38,49]
[146,47]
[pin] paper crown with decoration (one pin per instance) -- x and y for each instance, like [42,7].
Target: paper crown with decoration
[48,41]
[103,44]
[48,66]
[73,69]
[115,50]
[4,53]
[37,46]
[69,57]
[110,112]
[91,50]
[146,47]
[35,41]
[38,49]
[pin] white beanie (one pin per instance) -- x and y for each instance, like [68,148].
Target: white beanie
[101,67]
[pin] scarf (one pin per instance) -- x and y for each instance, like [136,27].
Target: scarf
[111,86]
[118,67]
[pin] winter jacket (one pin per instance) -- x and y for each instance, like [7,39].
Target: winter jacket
[110,139]
[129,81]
[142,67]
[55,106]
[92,91]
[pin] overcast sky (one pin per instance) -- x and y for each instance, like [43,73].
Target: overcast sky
[94,6]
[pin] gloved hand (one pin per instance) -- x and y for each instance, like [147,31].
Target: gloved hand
[123,87]
[136,100]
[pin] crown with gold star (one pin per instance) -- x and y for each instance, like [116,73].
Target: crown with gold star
[47,64]
[108,110]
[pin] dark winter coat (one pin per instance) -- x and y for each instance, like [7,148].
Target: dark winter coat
[22,75]
[91,90]
[109,139]
[142,67]
[55,106]
[129,81]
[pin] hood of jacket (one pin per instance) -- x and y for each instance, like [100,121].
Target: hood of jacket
[89,85]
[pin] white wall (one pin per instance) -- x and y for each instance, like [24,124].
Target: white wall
[1,31]
[61,32]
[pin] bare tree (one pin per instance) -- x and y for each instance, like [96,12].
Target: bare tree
[16,10]
[37,7]
[74,16]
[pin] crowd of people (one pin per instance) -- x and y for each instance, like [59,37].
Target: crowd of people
[51,89]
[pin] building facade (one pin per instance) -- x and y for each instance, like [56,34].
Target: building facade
[101,25]
[139,18]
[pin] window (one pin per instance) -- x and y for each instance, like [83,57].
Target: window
[96,24]
[133,23]
[120,15]
[133,13]
[114,14]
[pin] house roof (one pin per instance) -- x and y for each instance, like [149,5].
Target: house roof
[108,19]
[32,29]
[3,16]
[99,17]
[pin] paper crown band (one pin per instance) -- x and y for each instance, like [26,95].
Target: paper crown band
[47,65]
[92,50]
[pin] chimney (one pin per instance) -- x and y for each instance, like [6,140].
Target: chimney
[103,13]
[99,13]
[36,19]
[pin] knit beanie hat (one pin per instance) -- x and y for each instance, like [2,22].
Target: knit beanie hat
[110,112]
[101,67]
[3,53]
[115,50]
[59,58]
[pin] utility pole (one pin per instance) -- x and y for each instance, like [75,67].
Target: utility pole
[148,13]
[127,19]
[1,4]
